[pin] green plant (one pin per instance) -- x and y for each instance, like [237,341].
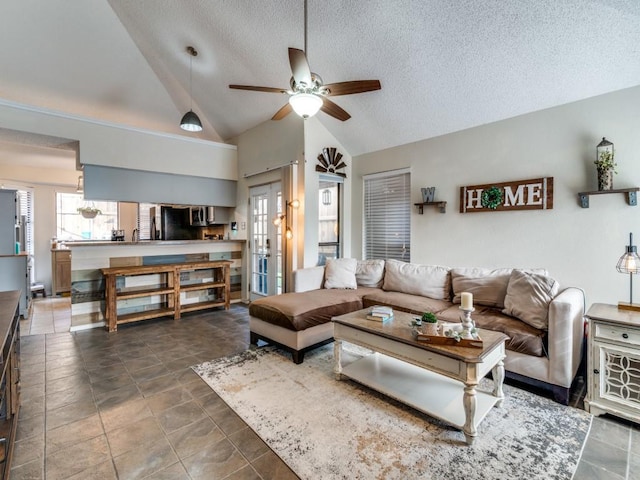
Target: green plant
[492,197]
[606,162]
[429,317]
[97,211]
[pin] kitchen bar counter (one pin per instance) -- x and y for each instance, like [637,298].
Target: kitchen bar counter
[102,243]
[89,258]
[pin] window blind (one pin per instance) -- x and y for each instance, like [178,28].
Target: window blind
[25,197]
[144,220]
[387,216]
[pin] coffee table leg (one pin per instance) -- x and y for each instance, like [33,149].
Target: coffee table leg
[469,402]
[498,379]
[337,359]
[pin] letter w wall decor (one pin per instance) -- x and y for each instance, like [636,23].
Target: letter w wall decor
[534,194]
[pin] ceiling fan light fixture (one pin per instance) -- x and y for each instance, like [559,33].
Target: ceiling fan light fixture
[190,122]
[305,104]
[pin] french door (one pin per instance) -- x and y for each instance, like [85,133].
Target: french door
[266,241]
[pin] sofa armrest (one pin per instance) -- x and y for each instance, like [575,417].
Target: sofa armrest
[566,335]
[310,278]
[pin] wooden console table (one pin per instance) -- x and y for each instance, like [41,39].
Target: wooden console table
[169,288]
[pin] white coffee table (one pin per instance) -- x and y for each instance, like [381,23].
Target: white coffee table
[438,380]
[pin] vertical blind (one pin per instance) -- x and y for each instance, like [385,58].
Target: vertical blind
[25,197]
[387,216]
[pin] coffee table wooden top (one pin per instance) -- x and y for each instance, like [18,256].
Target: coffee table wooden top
[399,329]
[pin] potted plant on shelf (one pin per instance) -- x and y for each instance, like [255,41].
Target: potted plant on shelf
[430,322]
[89,212]
[605,166]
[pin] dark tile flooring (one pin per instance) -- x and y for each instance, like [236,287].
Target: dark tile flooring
[126,405]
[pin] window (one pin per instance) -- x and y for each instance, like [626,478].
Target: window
[25,197]
[71,225]
[144,220]
[387,216]
[328,218]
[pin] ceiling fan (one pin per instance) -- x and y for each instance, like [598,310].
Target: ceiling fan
[307,92]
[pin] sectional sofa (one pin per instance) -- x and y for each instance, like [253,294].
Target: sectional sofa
[544,323]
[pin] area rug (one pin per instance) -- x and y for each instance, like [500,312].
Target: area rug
[329,429]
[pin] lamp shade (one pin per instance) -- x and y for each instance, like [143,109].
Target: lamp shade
[305,104]
[190,122]
[630,261]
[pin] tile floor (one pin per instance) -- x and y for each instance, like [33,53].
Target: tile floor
[126,405]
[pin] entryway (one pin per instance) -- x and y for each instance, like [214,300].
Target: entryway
[265,240]
[48,315]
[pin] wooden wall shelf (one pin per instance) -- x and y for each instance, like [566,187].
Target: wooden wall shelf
[440,205]
[630,193]
[169,289]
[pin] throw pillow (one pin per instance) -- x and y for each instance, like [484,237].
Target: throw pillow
[370,273]
[528,297]
[431,281]
[489,287]
[340,273]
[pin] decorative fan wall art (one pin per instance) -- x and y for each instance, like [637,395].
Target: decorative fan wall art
[329,161]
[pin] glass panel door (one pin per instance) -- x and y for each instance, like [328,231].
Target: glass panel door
[266,241]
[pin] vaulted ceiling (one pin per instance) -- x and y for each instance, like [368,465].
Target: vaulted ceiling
[444,65]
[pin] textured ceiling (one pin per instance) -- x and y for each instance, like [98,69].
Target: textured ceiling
[444,65]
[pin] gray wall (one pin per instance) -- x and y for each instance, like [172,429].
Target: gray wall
[120,184]
[578,246]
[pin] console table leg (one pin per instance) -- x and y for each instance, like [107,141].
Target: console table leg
[498,380]
[337,359]
[469,402]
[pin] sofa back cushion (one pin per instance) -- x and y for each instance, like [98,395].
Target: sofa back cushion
[370,273]
[431,281]
[340,273]
[488,286]
[528,297]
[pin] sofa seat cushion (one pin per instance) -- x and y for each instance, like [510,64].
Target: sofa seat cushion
[523,338]
[301,310]
[405,302]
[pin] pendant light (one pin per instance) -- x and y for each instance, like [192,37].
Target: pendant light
[190,122]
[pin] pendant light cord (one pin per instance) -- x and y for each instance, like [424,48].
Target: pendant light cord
[190,81]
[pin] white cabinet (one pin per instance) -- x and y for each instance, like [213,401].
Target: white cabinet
[613,363]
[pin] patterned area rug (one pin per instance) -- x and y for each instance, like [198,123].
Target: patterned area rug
[329,429]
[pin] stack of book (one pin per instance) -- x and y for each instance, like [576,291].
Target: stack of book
[380,313]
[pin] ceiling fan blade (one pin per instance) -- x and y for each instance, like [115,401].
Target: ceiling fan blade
[334,110]
[258,89]
[299,66]
[349,88]
[283,112]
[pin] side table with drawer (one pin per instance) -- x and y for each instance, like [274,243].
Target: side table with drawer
[613,362]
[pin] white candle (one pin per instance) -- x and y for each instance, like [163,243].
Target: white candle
[466,300]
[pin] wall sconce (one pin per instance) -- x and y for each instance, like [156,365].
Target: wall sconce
[326,197]
[80,187]
[281,219]
[629,263]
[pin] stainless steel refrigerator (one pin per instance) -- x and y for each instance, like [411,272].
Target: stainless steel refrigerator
[14,268]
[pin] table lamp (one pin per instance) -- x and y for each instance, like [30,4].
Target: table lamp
[629,263]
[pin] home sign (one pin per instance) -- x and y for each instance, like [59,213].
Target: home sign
[534,194]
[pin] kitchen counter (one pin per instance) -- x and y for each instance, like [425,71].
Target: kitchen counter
[89,257]
[102,243]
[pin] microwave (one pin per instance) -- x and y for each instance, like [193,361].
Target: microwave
[198,216]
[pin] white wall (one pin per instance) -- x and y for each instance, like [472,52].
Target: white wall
[579,247]
[114,145]
[261,151]
[317,137]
